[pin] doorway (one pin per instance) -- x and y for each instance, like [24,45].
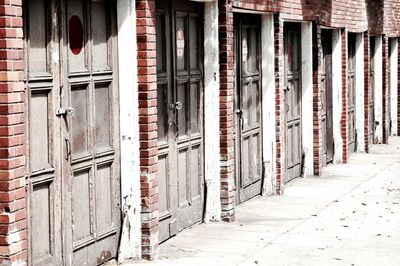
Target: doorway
[179,114]
[73,177]
[248,107]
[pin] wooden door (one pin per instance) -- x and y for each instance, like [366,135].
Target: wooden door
[81,119]
[351,94]
[371,95]
[326,115]
[248,107]
[179,115]
[293,92]
[44,172]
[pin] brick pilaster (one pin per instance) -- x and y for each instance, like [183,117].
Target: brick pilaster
[227,127]
[367,90]
[385,89]
[398,88]
[280,104]
[344,118]
[147,88]
[317,105]
[13,223]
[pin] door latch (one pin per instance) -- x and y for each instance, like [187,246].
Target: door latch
[177,106]
[65,111]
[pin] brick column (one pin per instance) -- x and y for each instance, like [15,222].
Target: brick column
[398,89]
[280,104]
[227,126]
[344,118]
[317,130]
[385,89]
[367,90]
[147,89]
[13,223]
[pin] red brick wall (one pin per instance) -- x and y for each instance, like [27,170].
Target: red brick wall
[226,57]
[385,89]
[317,54]
[280,105]
[13,223]
[367,87]
[344,118]
[147,89]
[375,17]
[392,18]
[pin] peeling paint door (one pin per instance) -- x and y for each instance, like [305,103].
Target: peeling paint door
[371,95]
[292,101]
[44,171]
[351,93]
[74,183]
[248,107]
[179,115]
[326,115]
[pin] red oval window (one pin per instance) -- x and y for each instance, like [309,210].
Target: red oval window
[75,35]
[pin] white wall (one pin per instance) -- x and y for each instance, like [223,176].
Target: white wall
[378,90]
[211,113]
[268,103]
[307,96]
[393,85]
[337,94]
[130,243]
[360,118]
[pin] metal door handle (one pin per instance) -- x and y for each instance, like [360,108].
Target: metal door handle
[178,105]
[68,147]
[65,111]
[239,112]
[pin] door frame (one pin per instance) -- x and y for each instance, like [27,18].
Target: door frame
[238,18]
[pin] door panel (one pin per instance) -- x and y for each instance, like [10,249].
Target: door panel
[248,106]
[293,97]
[74,186]
[326,115]
[93,167]
[352,91]
[371,95]
[180,118]
[43,165]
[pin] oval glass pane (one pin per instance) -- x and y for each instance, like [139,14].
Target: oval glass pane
[75,35]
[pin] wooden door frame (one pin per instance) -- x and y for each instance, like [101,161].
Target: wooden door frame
[66,122]
[294,26]
[238,138]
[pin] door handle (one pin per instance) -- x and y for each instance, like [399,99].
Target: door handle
[65,111]
[239,112]
[68,148]
[177,106]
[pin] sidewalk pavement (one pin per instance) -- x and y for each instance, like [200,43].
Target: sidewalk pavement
[348,216]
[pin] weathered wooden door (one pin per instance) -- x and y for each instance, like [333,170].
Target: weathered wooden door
[293,95]
[179,115]
[326,115]
[351,94]
[248,107]
[371,95]
[73,116]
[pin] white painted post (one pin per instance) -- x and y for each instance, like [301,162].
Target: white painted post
[211,113]
[130,243]
[307,96]
[360,118]
[337,94]
[378,90]
[268,103]
[393,85]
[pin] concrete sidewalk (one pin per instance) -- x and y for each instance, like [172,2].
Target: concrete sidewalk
[348,216]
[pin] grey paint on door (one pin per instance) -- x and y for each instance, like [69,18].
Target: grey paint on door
[179,115]
[73,160]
